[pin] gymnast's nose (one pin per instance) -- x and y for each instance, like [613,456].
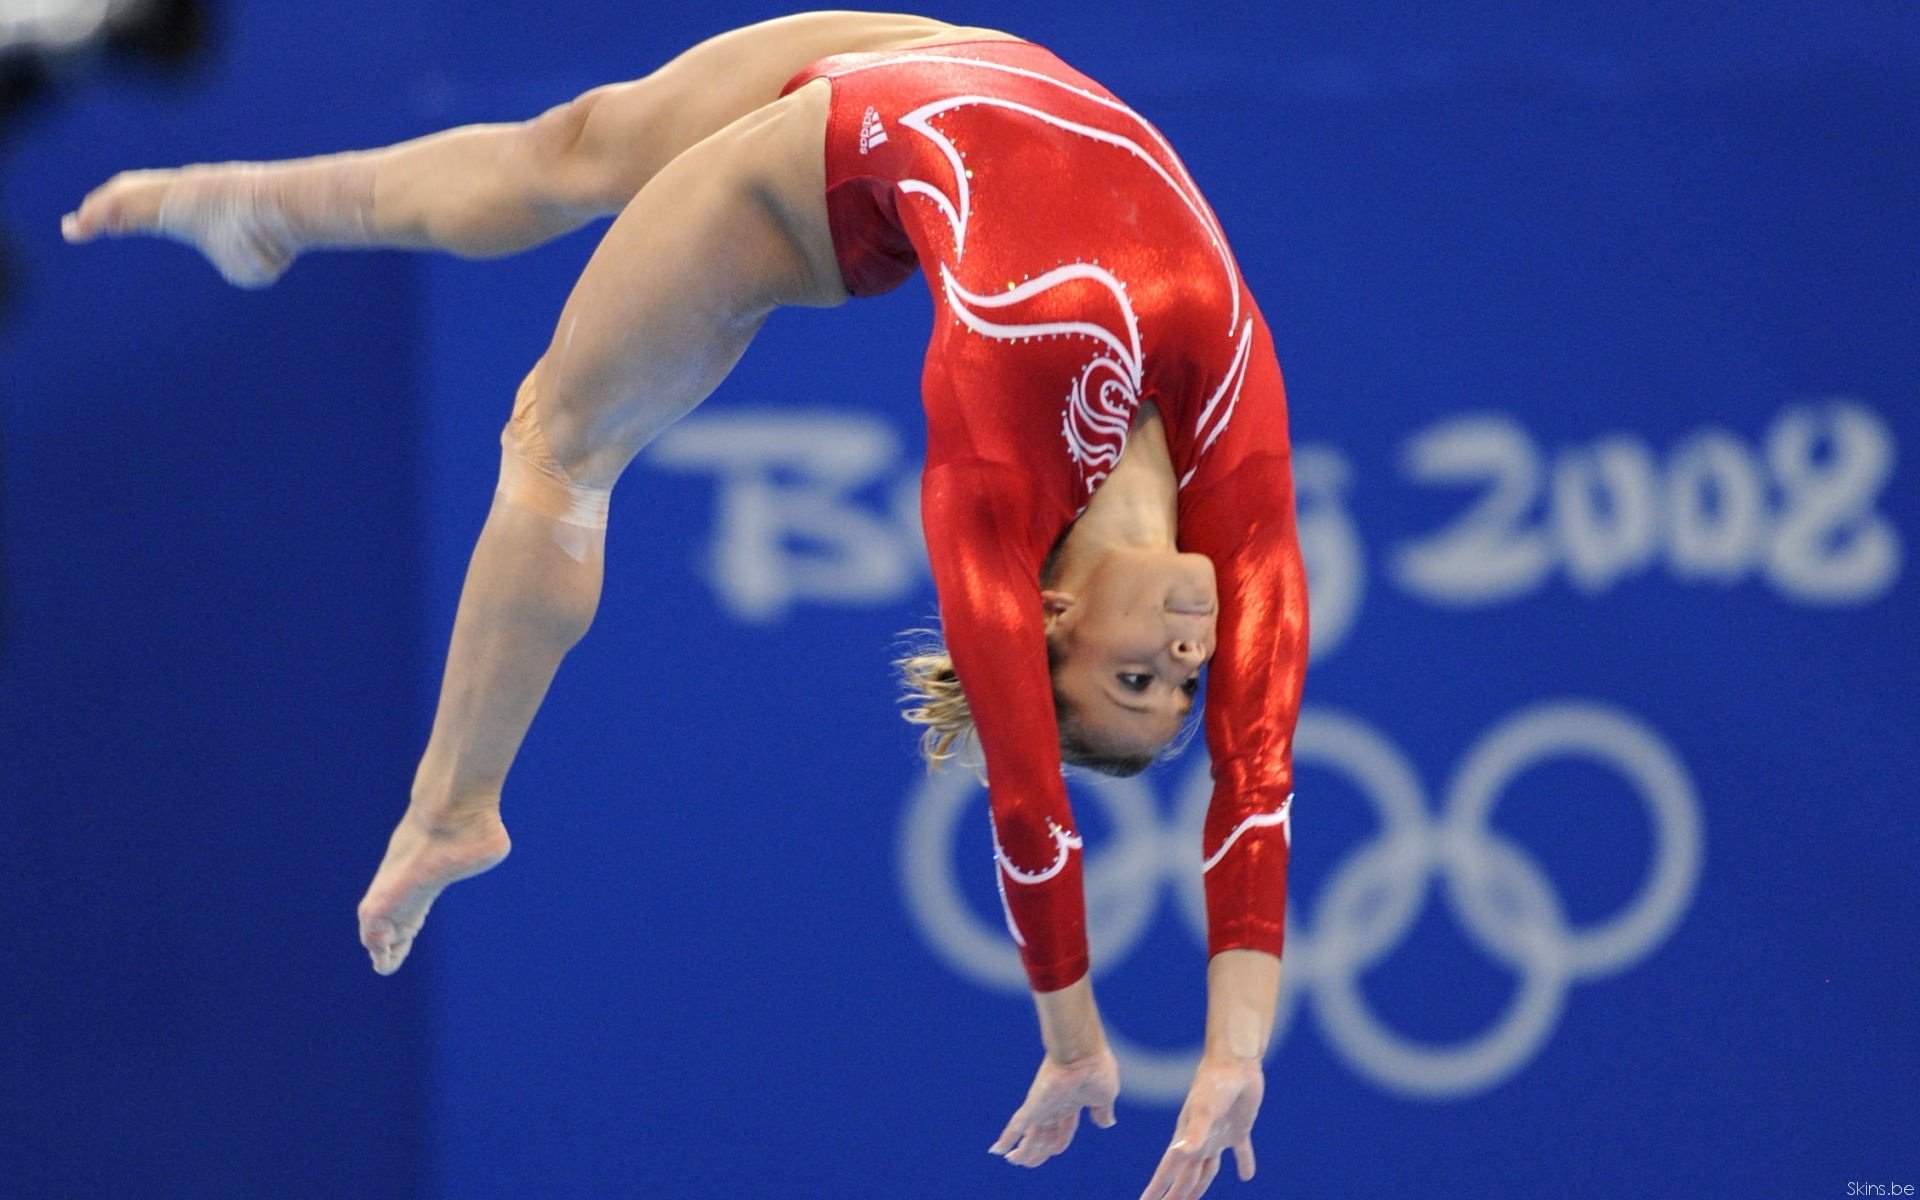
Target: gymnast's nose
[1187,653]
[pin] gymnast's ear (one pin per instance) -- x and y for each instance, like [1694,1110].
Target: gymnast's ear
[1055,603]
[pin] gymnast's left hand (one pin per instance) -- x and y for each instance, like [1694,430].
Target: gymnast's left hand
[1217,1117]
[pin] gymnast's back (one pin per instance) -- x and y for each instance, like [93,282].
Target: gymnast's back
[1067,249]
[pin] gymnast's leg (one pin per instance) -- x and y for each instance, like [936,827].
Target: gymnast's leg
[482,190]
[727,231]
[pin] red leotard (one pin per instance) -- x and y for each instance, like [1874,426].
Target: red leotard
[1076,273]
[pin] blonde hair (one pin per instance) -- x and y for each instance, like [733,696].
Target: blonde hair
[936,704]
[935,701]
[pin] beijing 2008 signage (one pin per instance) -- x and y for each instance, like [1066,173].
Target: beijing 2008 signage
[819,507]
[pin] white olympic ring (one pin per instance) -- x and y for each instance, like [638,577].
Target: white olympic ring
[1503,898]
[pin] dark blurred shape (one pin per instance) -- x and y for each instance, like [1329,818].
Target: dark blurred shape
[45,43]
[22,74]
[166,33]
[6,269]
[44,46]
[160,31]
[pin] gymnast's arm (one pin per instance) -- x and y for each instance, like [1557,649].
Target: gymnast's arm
[991,614]
[975,515]
[1245,523]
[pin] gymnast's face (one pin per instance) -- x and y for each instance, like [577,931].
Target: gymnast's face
[1128,646]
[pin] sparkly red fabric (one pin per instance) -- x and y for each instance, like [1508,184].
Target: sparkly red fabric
[1076,273]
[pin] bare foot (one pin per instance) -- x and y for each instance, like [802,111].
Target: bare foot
[423,857]
[218,210]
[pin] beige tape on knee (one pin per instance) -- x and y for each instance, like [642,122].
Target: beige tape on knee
[531,479]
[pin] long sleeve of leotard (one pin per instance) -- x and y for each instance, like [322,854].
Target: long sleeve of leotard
[1244,522]
[978,518]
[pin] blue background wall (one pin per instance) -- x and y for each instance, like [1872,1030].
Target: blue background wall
[1598,326]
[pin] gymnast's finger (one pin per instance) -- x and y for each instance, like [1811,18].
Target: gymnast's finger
[1010,1136]
[1046,1141]
[1208,1170]
[1178,1168]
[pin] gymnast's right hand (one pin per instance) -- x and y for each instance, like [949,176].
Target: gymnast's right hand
[1046,1123]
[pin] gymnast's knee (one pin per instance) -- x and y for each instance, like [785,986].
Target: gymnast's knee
[532,478]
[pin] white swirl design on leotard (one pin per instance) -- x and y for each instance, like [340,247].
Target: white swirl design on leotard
[1282,816]
[1097,419]
[1106,392]
[1006,909]
[1065,842]
[1207,429]
[955,209]
[967,303]
[1188,191]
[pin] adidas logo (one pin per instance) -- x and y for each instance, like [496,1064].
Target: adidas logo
[872,132]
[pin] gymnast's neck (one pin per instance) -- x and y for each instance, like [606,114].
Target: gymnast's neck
[1134,509]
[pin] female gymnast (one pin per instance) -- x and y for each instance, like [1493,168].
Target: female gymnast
[1107,497]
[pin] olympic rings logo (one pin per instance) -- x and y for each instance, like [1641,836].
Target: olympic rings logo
[1502,897]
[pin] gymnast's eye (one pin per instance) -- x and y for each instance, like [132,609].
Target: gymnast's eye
[1134,681]
[1191,686]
